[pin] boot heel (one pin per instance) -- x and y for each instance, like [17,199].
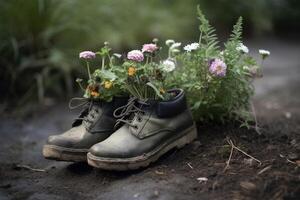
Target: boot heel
[187,138]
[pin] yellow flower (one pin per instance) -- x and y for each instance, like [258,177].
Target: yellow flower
[95,93]
[162,91]
[131,71]
[108,84]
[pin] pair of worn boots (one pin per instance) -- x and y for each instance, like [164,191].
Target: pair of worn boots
[124,134]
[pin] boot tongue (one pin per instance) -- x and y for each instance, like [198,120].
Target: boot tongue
[99,108]
[147,106]
[93,112]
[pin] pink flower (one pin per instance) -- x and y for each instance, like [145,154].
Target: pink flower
[135,55]
[150,48]
[87,55]
[218,68]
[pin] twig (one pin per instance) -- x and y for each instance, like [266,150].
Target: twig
[247,154]
[230,156]
[231,152]
[189,164]
[290,161]
[264,169]
[30,168]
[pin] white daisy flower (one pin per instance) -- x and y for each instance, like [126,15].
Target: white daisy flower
[191,47]
[264,52]
[242,48]
[168,65]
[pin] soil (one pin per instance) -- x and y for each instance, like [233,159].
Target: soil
[198,171]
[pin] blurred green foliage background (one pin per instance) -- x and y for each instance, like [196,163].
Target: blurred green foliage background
[40,39]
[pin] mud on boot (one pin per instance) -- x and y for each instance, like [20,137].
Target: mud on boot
[95,123]
[154,128]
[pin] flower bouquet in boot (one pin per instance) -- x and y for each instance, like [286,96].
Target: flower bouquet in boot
[155,119]
[102,95]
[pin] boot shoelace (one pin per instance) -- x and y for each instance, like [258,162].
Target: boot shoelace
[126,111]
[89,107]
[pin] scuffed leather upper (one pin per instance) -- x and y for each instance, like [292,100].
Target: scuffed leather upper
[159,122]
[94,125]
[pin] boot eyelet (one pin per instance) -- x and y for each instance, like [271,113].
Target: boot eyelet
[136,127]
[139,119]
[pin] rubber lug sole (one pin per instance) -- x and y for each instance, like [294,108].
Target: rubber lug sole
[120,164]
[58,153]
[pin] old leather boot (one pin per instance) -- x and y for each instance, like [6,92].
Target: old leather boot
[95,123]
[155,128]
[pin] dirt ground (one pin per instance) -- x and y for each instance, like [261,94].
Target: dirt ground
[176,175]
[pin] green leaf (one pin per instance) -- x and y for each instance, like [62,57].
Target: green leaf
[106,74]
[196,105]
[155,89]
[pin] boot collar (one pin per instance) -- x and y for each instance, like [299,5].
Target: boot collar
[168,108]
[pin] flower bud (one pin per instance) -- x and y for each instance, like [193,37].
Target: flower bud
[169,42]
[155,40]
[79,80]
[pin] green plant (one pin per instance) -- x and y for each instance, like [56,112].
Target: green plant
[218,82]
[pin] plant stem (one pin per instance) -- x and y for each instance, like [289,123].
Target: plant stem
[200,38]
[81,86]
[110,60]
[261,67]
[88,69]
[137,92]
[103,63]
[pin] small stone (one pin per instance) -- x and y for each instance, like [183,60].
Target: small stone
[156,193]
[136,195]
[248,161]
[288,115]
[293,142]
[292,156]
[202,179]
[159,172]
[247,185]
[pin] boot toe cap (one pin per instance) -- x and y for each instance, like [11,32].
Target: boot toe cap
[57,140]
[107,151]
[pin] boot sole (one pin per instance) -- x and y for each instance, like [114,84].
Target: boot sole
[53,152]
[123,164]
